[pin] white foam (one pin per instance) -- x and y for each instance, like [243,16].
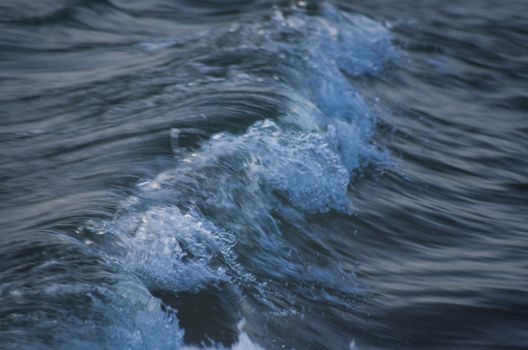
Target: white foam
[173,250]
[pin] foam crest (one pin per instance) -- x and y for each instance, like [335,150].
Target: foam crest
[229,187]
[173,250]
[299,165]
[328,50]
[130,319]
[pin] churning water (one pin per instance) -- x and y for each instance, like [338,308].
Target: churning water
[263,174]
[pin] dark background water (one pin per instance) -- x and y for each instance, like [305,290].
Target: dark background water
[433,254]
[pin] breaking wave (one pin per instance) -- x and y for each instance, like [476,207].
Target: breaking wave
[231,213]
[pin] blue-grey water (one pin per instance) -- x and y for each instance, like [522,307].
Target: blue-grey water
[180,174]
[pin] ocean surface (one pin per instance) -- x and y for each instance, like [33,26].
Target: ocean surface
[239,174]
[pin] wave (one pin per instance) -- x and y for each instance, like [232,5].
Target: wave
[233,210]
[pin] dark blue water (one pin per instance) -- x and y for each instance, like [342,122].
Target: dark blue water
[180,174]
